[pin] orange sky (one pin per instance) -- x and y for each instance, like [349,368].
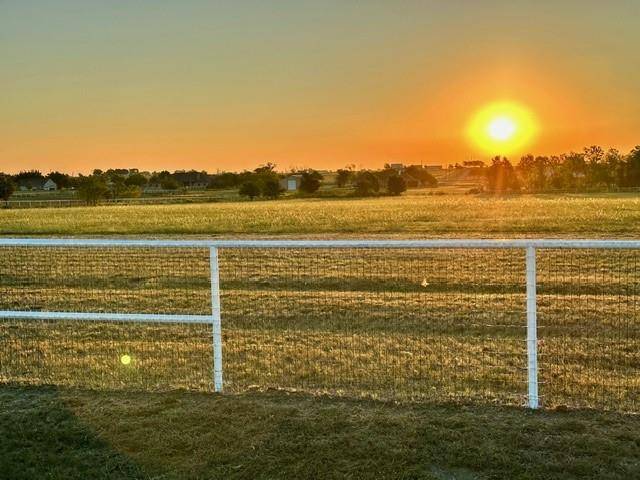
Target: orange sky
[230,85]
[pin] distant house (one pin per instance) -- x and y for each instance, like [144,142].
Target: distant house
[49,185]
[398,167]
[291,183]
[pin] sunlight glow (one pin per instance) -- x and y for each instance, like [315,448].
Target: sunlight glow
[125,359]
[501,128]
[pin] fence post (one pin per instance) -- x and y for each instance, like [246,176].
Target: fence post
[532,328]
[215,319]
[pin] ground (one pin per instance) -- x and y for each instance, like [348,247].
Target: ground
[66,434]
[71,433]
[417,214]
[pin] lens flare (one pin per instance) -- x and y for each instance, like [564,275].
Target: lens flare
[501,128]
[125,359]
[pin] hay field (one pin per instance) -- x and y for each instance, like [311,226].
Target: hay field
[388,324]
[413,214]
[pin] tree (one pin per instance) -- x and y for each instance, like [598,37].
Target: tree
[344,177]
[632,168]
[136,180]
[249,189]
[62,180]
[310,181]
[7,187]
[422,175]
[366,183]
[396,185]
[271,188]
[501,176]
[92,189]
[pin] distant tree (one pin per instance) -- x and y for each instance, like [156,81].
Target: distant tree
[92,189]
[169,183]
[28,175]
[249,189]
[62,180]
[310,181]
[135,180]
[271,188]
[501,176]
[396,185]
[7,187]
[266,168]
[366,183]
[224,180]
[116,185]
[422,175]
[534,172]
[344,177]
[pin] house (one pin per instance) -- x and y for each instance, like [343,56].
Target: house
[398,167]
[291,183]
[49,185]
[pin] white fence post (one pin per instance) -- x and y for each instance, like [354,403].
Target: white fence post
[532,328]
[215,319]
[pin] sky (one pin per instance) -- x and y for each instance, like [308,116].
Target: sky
[228,85]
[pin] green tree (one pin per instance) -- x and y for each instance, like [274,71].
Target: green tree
[92,189]
[366,183]
[136,180]
[7,187]
[396,185]
[249,189]
[62,180]
[344,177]
[310,181]
[271,188]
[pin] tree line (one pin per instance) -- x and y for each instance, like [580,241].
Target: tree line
[263,181]
[591,169]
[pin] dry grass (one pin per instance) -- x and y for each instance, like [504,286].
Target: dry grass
[413,214]
[389,324]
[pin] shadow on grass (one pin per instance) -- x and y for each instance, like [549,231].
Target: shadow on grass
[49,433]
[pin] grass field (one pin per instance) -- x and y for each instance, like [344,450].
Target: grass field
[414,214]
[349,331]
[68,434]
[386,324]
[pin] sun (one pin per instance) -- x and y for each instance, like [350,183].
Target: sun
[501,128]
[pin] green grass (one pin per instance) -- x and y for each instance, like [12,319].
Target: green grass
[70,434]
[413,214]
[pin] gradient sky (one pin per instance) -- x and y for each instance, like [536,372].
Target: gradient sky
[232,84]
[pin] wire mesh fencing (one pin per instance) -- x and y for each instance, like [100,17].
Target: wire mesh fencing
[441,321]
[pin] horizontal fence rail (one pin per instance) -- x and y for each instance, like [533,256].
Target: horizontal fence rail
[527,322]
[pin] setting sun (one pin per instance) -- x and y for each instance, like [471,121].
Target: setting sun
[502,128]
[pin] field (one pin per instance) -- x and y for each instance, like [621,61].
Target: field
[416,214]
[364,338]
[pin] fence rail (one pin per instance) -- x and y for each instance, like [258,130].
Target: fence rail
[524,321]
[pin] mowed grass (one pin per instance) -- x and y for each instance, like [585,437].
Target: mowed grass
[71,434]
[413,214]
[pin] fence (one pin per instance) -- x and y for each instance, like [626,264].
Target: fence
[535,322]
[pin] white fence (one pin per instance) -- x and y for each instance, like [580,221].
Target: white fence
[216,318]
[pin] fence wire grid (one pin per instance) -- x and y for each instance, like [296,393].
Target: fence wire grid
[391,323]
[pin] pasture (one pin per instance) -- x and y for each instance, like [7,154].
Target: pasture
[329,355]
[415,214]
